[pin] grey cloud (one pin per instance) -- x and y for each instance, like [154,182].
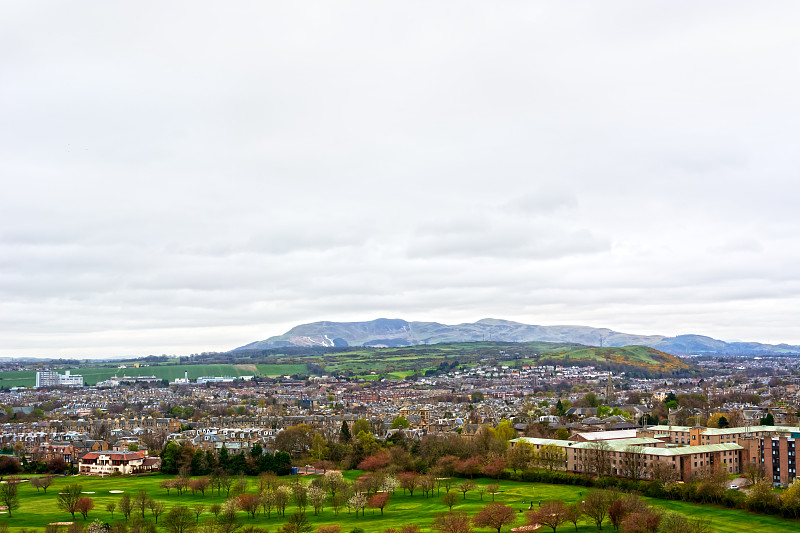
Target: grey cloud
[215,176]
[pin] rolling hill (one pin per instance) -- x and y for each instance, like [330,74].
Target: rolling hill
[385,332]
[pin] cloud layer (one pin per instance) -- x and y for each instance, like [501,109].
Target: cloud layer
[181,178]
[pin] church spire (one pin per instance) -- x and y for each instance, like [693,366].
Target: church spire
[609,390]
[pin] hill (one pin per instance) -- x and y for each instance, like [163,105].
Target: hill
[398,362]
[385,332]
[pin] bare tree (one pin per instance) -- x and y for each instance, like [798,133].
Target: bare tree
[662,472]
[596,505]
[551,514]
[156,507]
[8,494]
[633,462]
[596,458]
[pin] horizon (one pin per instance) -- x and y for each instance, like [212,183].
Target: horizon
[98,356]
[180,181]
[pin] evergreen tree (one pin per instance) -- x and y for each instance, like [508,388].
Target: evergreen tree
[223,459]
[344,433]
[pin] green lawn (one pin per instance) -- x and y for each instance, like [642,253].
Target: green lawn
[38,509]
[91,375]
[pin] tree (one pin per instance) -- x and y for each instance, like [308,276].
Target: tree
[591,400]
[551,514]
[713,483]
[551,457]
[97,526]
[344,433]
[456,522]
[126,506]
[319,448]
[768,420]
[227,521]
[199,485]
[493,489]
[282,496]
[761,498]
[45,482]
[140,501]
[156,507]
[596,458]
[84,505]
[595,505]
[179,520]
[495,467]
[662,472]
[111,507]
[375,462]
[400,423]
[408,481]
[198,510]
[715,420]
[646,521]
[562,433]
[296,440]
[790,500]
[624,506]
[450,499]
[249,503]
[358,502]
[677,523]
[495,516]
[573,514]
[297,523]
[68,498]
[8,494]
[317,495]
[167,484]
[379,501]
[754,472]
[634,462]
[505,431]
[465,486]
[519,456]
[426,484]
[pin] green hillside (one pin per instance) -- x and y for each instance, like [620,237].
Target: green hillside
[93,374]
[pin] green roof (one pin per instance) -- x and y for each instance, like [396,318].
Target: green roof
[620,444]
[542,442]
[727,431]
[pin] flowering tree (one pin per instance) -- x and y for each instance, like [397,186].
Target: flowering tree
[83,506]
[379,501]
[358,502]
[457,522]
[495,515]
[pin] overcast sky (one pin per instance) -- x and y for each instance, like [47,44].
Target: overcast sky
[180,177]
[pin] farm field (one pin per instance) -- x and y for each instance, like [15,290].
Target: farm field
[91,375]
[38,509]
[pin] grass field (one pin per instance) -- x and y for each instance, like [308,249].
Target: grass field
[91,375]
[38,509]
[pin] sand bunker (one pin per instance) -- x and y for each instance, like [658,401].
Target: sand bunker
[116,491]
[532,527]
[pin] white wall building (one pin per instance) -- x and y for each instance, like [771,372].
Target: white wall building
[49,378]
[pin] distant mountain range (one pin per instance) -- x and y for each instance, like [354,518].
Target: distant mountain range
[396,332]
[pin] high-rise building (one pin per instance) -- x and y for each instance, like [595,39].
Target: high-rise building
[49,378]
